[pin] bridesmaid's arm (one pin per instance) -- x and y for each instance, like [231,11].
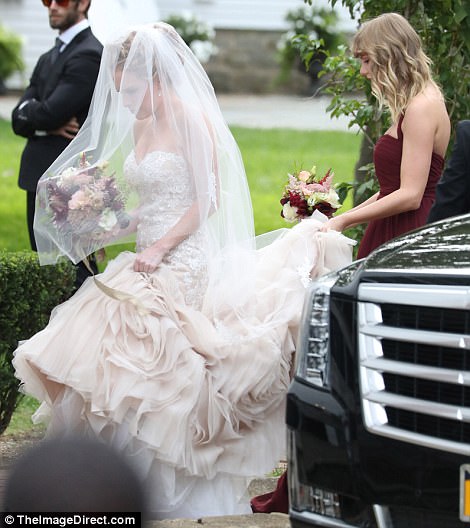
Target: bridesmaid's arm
[418,126]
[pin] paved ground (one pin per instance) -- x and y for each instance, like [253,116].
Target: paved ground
[279,111]
[258,520]
[257,111]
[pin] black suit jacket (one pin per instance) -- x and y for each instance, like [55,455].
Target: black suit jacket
[56,93]
[453,189]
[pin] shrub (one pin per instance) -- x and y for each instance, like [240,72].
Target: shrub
[28,293]
[198,35]
[319,24]
[10,54]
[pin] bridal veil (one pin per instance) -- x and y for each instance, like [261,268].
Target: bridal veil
[146,73]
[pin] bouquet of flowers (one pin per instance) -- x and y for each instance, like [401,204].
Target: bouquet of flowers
[86,201]
[305,192]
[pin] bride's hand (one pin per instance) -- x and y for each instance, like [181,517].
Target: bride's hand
[149,259]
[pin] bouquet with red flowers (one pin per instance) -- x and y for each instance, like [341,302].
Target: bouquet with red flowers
[305,192]
[86,201]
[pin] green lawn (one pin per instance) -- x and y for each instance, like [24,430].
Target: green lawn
[268,156]
[13,232]
[21,419]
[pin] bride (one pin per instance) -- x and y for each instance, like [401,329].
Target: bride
[179,354]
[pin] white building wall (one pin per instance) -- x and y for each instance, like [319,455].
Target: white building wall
[28,18]
[246,14]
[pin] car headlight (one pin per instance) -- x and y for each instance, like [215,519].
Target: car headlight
[313,344]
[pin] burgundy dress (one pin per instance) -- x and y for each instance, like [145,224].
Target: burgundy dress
[274,501]
[387,161]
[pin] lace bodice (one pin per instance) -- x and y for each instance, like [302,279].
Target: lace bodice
[163,184]
[161,181]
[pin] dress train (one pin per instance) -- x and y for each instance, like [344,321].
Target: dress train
[195,397]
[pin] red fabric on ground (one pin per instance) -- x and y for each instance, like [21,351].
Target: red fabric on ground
[275,501]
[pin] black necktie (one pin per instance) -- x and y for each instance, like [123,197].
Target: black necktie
[56,49]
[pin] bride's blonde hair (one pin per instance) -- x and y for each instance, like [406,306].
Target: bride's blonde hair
[399,68]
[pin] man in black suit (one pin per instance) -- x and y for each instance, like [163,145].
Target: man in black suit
[453,189]
[56,102]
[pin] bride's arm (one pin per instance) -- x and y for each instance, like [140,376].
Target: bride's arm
[149,259]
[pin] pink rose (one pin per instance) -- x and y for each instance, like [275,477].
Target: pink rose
[79,200]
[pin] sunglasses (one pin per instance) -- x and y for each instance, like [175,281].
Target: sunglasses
[60,3]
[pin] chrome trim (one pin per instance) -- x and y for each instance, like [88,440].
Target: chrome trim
[442,410]
[456,377]
[416,336]
[376,401]
[421,271]
[382,516]
[319,520]
[449,296]
[420,440]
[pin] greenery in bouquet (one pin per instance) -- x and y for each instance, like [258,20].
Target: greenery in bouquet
[306,192]
[320,25]
[198,35]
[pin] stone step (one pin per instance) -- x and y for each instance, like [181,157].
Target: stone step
[256,520]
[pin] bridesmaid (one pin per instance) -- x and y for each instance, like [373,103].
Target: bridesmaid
[409,157]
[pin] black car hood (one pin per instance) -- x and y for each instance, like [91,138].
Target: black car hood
[444,245]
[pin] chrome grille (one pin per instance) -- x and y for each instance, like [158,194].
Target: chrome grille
[414,349]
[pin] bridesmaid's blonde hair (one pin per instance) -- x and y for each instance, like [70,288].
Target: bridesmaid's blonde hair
[399,67]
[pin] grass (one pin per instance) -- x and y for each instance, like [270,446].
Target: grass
[21,419]
[13,231]
[268,156]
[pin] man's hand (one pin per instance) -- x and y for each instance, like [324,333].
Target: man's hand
[68,130]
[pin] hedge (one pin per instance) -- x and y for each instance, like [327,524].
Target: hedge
[28,293]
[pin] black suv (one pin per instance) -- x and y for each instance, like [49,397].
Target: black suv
[378,413]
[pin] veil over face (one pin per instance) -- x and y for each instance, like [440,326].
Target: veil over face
[152,94]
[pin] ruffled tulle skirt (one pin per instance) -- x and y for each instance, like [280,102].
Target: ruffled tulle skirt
[194,397]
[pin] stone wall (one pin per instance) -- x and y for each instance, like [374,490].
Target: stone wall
[247,63]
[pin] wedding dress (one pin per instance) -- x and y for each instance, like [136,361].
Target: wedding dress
[197,403]
[185,369]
